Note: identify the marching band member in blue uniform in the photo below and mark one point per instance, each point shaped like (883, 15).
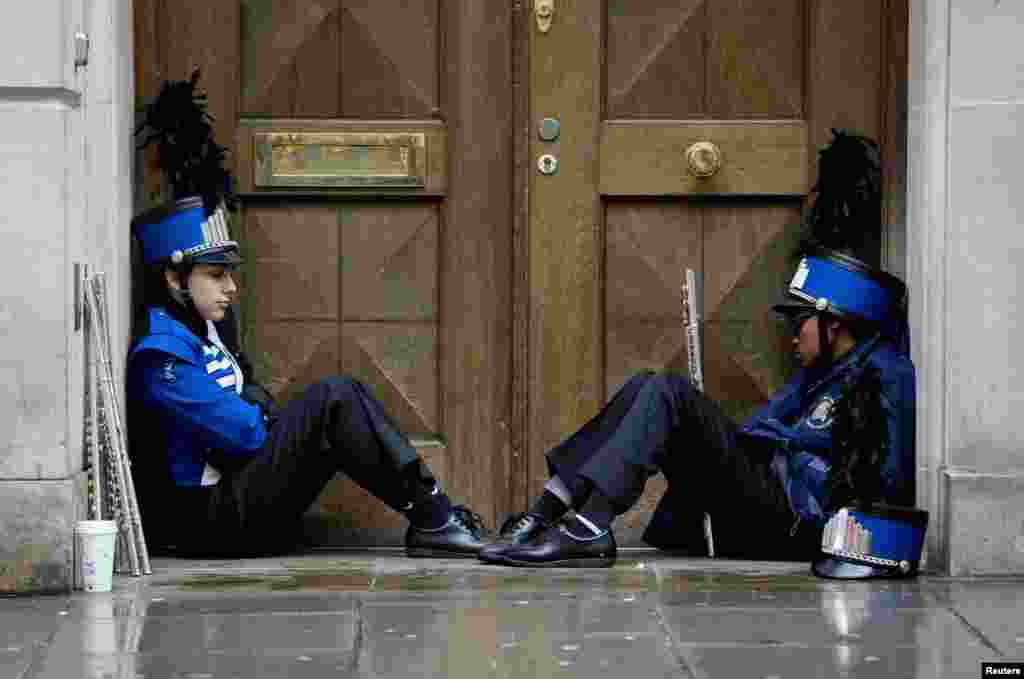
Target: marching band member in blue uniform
(767, 483)
(763, 483)
(224, 471)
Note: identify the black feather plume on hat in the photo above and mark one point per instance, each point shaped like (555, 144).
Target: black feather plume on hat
(848, 199)
(178, 123)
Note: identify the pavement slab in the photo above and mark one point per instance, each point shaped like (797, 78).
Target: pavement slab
(377, 613)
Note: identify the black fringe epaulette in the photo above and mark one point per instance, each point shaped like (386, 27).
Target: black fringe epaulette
(178, 123)
(860, 441)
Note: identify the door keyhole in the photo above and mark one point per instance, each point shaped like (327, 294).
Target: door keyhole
(547, 164)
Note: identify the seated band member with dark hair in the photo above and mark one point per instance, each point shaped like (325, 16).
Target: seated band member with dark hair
(763, 483)
(223, 471)
(771, 484)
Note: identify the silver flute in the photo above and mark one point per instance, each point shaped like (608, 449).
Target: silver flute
(691, 326)
(691, 329)
(91, 424)
(114, 433)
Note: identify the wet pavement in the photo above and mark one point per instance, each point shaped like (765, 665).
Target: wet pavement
(379, 614)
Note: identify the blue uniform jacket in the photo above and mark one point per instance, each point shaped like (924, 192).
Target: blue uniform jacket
(188, 393)
(799, 419)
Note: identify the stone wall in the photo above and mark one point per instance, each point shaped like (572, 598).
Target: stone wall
(65, 197)
(966, 258)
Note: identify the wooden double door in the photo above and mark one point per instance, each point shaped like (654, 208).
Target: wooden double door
(400, 225)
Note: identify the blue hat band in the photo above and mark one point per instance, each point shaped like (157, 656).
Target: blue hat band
(873, 538)
(844, 290)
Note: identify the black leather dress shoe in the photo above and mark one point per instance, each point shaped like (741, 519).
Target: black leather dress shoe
(557, 546)
(516, 530)
(460, 537)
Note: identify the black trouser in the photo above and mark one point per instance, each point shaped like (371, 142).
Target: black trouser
(336, 425)
(659, 422)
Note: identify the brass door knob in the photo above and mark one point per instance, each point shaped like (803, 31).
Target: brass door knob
(703, 159)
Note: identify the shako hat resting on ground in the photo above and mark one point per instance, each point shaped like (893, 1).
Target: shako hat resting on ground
(872, 541)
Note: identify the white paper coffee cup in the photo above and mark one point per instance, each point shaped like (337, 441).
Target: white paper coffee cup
(95, 541)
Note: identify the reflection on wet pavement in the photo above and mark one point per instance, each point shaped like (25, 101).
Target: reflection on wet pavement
(382, 615)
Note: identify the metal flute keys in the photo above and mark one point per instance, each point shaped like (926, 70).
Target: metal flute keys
(691, 326)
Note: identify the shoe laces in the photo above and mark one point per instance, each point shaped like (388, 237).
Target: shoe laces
(513, 523)
(469, 519)
(566, 526)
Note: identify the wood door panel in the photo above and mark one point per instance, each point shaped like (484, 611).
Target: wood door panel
(280, 290)
(748, 251)
(389, 261)
(705, 59)
(290, 356)
(744, 362)
(742, 255)
(388, 72)
(656, 59)
(306, 83)
(289, 57)
(648, 246)
(291, 263)
(846, 84)
(638, 345)
(755, 66)
(340, 58)
(759, 350)
(371, 269)
(398, 361)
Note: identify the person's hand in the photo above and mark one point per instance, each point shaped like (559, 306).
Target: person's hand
(257, 395)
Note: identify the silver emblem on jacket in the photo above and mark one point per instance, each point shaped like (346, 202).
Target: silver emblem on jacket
(821, 414)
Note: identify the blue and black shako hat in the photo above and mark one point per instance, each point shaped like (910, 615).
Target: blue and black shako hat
(844, 286)
(181, 232)
(872, 541)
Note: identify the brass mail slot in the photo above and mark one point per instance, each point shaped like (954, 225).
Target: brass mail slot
(339, 159)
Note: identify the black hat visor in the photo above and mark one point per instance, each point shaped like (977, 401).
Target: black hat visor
(841, 569)
(227, 257)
